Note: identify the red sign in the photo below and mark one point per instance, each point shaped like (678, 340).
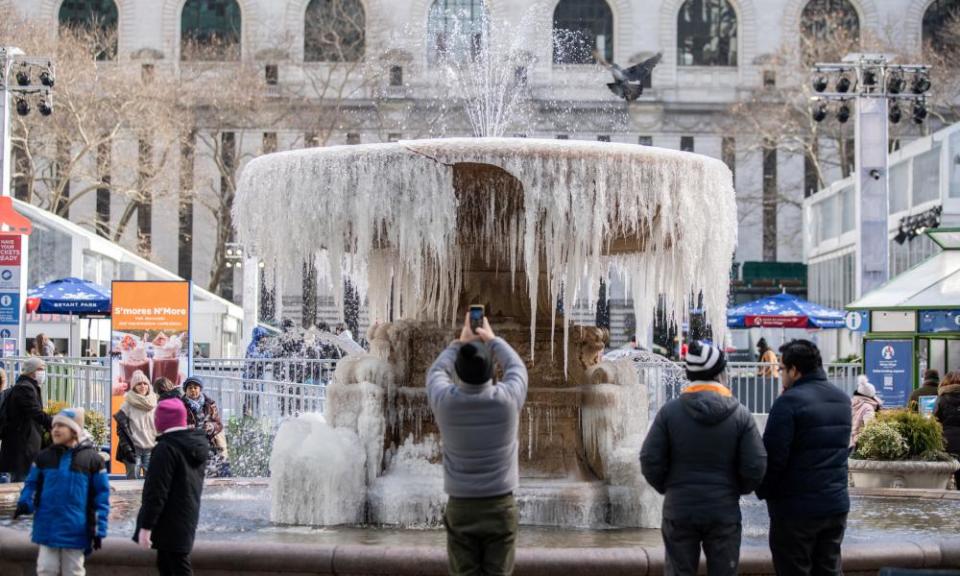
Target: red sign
(10, 250)
(776, 321)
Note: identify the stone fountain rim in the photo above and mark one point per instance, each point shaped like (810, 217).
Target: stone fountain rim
(464, 148)
(218, 557)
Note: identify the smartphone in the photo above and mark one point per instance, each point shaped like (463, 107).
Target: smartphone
(476, 317)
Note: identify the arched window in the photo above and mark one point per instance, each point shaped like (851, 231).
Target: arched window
(707, 34)
(941, 25)
(580, 28)
(97, 18)
(829, 28)
(455, 27)
(334, 31)
(210, 30)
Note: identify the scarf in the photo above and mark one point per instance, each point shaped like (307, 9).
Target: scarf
(196, 406)
(948, 389)
(144, 402)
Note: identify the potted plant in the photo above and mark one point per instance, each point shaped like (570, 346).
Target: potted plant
(902, 449)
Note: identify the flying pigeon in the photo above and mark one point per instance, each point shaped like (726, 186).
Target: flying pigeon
(628, 83)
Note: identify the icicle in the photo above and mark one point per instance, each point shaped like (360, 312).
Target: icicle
(386, 216)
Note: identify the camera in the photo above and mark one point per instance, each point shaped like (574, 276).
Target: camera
(875, 174)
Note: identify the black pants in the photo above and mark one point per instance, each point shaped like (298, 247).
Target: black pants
(684, 540)
(807, 546)
(173, 564)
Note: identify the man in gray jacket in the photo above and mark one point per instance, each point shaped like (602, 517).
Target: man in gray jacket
(478, 421)
(703, 451)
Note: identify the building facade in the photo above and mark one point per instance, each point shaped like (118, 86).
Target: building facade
(715, 53)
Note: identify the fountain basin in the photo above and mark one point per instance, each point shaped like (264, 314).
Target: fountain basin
(239, 510)
(887, 528)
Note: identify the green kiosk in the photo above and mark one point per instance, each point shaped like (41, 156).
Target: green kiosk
(912, 322)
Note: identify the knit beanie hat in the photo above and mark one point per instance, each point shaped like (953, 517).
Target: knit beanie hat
(72, 418)
(474, 364)
(139, 377)
(31, 365)
(704, 362)
(865, 388)
(193, 381)
(931, 377)
(170, 413)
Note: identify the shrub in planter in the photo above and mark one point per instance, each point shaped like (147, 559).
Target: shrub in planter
(900, 449)
(880, 440)
(924, 436)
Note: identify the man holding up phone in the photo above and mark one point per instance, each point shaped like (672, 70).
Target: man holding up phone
(479, 421)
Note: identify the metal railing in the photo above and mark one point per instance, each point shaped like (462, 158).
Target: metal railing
(752, 383)
(273, 389)
(82, 382)
(294, 370)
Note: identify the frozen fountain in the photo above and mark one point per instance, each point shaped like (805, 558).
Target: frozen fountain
(424, 228)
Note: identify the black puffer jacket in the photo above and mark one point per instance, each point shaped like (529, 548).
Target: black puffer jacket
(171, 493)
(948, 413)
(26, 423)
(703, 451)
(808, 443)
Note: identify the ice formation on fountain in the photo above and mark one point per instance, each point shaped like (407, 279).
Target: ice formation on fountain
(386, 216)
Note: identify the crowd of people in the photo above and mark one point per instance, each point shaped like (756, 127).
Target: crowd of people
(703, 452)
(170, 436)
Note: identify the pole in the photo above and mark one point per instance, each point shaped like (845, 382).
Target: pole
(872, 257)
(6, 167)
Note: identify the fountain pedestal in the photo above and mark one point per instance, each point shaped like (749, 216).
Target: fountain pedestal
(579, 443)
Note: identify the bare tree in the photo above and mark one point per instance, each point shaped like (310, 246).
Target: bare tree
(98, 102)
(221, 106)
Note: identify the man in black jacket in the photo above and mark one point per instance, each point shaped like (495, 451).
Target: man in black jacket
(170, 506)
(703, 452)
(25, 421)
(807, 439)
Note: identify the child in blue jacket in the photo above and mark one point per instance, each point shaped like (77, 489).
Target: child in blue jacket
(68, 491)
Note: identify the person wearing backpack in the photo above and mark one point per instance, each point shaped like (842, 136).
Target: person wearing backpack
(23, 421)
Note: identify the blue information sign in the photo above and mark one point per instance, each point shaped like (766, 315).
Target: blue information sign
(9, 308)
(887, 363)
(939, 321)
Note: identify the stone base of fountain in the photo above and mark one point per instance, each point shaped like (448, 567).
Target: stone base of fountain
(579, 438)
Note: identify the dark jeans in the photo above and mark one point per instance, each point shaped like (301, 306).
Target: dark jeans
(481, 535)
(807, 546)
(173, 564)
(683, 541)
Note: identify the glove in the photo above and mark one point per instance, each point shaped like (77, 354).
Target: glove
(144, 540)
(97, 542)
(22, 510)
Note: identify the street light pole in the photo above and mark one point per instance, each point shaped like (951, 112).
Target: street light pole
(6, 166)
(871, 82)
(27, 80)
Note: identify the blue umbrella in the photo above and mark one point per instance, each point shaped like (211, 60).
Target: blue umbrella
(784, 311)
(71, 296)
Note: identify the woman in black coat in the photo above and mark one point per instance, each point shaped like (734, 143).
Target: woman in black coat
(947, 412)
(25, 422)
(170, 505)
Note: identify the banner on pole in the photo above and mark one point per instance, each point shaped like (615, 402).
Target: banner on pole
(150, 324)
(888, 364)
